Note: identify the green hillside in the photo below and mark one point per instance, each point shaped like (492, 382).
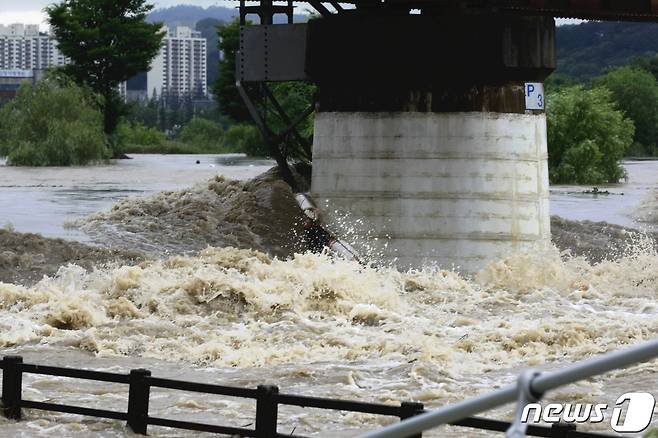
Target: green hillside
(588, 49)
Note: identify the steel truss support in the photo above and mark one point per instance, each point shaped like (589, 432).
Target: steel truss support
(272, 140)
(272, 54)
(291, 125)
(266, 11)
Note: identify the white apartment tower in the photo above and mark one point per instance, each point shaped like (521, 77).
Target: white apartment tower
(23, 47)
(180, 67)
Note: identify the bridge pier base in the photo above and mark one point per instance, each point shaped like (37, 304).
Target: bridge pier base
(423, 137)
(454, 189)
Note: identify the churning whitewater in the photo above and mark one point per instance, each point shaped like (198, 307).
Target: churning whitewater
(434, 335)
(239, 308)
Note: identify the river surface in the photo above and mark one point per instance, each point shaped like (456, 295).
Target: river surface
(41, 200)
(619, 207)
(311, 325)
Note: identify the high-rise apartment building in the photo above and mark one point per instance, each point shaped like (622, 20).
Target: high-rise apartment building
(23, 47)
(179, 69)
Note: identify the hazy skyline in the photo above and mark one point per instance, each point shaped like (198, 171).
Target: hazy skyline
(30, 11)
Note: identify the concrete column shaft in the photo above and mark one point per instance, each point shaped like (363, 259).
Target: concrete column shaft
(422, 133)
(454, 189)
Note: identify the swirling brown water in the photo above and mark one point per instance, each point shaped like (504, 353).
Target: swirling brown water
(429, 335)
(311, 324)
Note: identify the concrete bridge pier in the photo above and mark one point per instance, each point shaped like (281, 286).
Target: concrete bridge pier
(422, 132)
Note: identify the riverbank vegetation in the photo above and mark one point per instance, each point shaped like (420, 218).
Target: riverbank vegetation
(634, 92)
(199, 135)
(56, 123)
(587, 136)
(594, 123)
(108, 42)
(52, 124)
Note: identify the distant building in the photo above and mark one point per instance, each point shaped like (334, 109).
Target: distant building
(11, 80)
(179, 69)
(23, 47)
(25, 53)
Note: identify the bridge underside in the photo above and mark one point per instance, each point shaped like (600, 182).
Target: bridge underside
(426, 136)
(626, 10)
(422, 136)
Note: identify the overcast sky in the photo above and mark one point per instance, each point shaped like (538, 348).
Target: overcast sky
(29, 11)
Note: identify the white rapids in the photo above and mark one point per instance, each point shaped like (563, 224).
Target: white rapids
(314, 325)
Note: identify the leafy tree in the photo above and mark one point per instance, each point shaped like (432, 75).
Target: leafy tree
(559, 80)
(204, 134)
(230, 102)
(52, 124)
(109, 42)
(145, 113)
(247, 139)
(636, 94)
(137, 134)
(647, 63)
(587, 136)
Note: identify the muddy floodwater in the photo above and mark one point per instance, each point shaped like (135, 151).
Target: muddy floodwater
(633, 203)
(307, 323)
(40, 200)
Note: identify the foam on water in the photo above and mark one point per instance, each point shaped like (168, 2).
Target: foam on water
(647, 211)
(240, 308)
(323, 326)
(260, 213)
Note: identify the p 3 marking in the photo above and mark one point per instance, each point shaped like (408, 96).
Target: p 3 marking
(534, 96)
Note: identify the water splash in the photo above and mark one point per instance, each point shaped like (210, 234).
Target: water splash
(259, 213)
(231, 307)
(647, 211)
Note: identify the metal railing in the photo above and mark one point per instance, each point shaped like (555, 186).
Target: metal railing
(530, 387)
(268, 399)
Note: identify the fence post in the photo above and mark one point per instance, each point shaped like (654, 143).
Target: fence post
(12, 387)
(411, 409)
(562, 430)
(267, 410)
(138, 401)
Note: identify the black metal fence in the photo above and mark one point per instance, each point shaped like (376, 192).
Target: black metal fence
(268, 399)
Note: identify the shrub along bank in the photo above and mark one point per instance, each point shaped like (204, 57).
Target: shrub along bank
(57, 123)
(52, 124)
(587, 136)
(199, 136)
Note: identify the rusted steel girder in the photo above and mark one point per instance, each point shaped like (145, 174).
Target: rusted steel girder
(630, 10)
(615, 10)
